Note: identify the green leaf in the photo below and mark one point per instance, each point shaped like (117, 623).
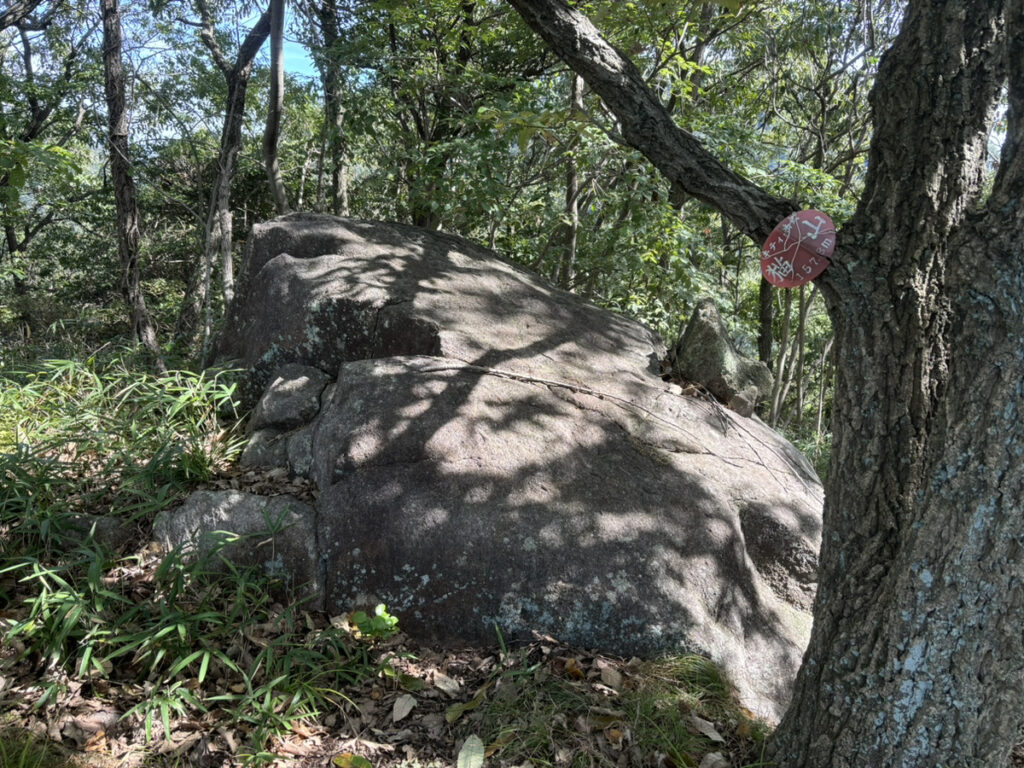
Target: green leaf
(348, 760)
(457, 710)
(204, 666)
(523, 137)
(16, 177)
(410, 683)
(472, 753)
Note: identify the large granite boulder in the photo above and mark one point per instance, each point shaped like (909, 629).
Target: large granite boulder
(495, 451)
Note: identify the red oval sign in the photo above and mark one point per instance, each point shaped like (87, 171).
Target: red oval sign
(798, 249)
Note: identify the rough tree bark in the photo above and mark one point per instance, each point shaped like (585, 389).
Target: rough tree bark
(916, 655)
(275, 107)
(124, 186)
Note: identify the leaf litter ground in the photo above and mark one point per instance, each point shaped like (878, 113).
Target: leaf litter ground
(540, 703)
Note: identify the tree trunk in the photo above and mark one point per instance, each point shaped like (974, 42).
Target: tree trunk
(825, 367)
(334, 111)
(275, 107)
(916, 655)
(766, 318)
(142, 329)
(219, 224)
(217, 233)
(783, 359)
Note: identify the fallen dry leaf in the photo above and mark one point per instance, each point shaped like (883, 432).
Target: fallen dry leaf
(290, 748)
(612, 678)
(706, 728)
(97, 743)
(402, 707)
(714, 760)
(450, 686)
(301, 729)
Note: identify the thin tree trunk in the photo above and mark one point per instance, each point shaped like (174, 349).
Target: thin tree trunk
(766, 317)
(300, 200)
(275, 108)
(142, 329)
(780, 369)
(801, 335)
(321, 187)
(334, 111)
(825, 366)
(219, 223)
(217, 232)
(572, 193)
(795, 355)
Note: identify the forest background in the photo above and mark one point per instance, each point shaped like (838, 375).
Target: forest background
(447, 114)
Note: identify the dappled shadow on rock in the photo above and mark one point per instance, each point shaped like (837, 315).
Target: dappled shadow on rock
(496, 453)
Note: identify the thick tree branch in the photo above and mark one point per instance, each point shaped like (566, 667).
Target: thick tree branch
(253, 42)
(209, 39)
(17, 12)
(645, 123)
(27, 56)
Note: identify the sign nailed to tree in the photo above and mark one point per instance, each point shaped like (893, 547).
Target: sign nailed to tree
(797, 251)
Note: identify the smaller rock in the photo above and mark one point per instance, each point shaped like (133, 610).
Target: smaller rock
(277, 533)
(300, 451)
(291, 399)
(745, 402)
(706, 355)
(109, 532)
(266, 449)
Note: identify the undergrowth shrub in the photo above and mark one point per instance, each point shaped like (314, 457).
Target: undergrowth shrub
(20, 749)
(189, 634)
(105, 434)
